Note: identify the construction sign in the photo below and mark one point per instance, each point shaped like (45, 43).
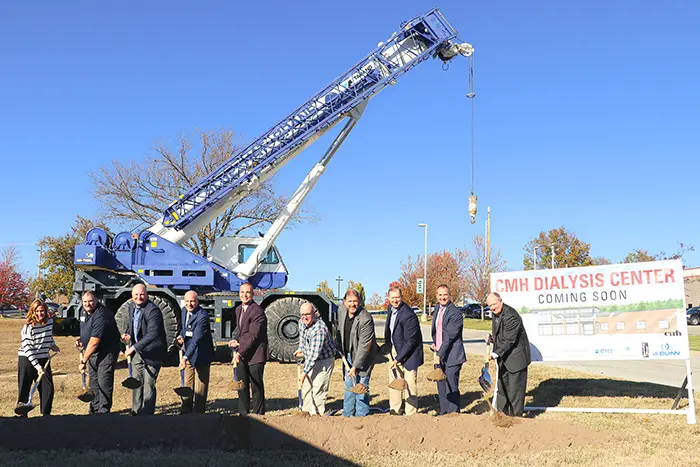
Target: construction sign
(631, 311)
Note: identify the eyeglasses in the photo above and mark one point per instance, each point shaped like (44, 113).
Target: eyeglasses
(306, 314)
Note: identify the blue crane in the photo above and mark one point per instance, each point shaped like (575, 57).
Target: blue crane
(110, 266)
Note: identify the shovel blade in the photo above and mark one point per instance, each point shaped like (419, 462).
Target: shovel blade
(131, 383)
(436, 375)
(85, 395)
(399, 384)
(485, 380)
(184, 391)
(23, 409)
(359, 388)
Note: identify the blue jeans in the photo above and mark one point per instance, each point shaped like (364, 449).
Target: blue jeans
(355, 405)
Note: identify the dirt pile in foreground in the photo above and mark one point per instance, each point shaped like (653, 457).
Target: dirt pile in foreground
(476, 434)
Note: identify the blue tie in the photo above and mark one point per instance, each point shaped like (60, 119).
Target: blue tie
(137, 322)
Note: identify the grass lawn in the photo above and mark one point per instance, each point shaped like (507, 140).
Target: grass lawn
(625, 439)
(694, 343)
(477, 324)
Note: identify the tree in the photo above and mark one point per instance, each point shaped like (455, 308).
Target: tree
(134, 195)
(360, 289)
(569, 251)
(376, 301)
(479, 269)
(600, 261)
(444, 267)
(13, 285)
(326, 289)
(639, 256)
(57, 258)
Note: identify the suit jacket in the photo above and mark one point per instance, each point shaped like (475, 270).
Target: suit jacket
(451, 351)
(363, 342)
(510, 340)
(251, 329)
(407, 337)
(199, 348)
(150, 343)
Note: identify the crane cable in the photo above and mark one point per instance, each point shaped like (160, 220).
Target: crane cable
(470, 95)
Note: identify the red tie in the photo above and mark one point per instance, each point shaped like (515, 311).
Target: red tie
(438, 327)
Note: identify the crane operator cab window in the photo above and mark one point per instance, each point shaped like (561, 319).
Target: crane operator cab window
(244, 252)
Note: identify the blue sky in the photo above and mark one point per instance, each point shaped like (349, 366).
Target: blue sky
(586, 117)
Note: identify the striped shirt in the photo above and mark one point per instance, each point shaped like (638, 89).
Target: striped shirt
(37, 340)
(315, 344)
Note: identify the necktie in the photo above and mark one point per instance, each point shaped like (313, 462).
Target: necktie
(137, 322)
(438, 327)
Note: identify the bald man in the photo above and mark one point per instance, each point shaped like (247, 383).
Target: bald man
(511, 350)
(145, 340)
(197, 347)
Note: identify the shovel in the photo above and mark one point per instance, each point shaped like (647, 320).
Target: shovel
(485, 380)
(299, 384)
(131, 382)
(85, 394)
(358, 388)
(183, 391)
(436, 374)
(22, 408)
(399, 384)
(236, 385)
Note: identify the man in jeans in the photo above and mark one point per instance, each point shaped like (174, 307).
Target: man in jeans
(145, 338)
(357, 341)
(316, 346)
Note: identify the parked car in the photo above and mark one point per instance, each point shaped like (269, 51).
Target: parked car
(692, 315)
(473, 310)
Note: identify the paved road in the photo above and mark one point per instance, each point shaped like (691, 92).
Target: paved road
(694, 330)
(668, 372)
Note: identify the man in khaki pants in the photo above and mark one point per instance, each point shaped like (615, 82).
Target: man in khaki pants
(195, 339)
(316, 346)
(403, 338)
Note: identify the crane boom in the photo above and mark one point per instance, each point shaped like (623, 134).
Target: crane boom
(417, 40)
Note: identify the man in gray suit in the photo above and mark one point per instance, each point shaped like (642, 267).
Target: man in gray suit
(511, 350)
(357, 342)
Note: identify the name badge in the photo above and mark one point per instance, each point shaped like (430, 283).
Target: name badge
(82, 319)
(188, 334)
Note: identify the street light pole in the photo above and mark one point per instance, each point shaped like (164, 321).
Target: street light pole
(340, 281)
(424, 316)
(534, 257)
(552, 256)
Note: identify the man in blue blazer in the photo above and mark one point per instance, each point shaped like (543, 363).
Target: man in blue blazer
(197, 347)
(145, 338)
(403, 338)
(447, 342)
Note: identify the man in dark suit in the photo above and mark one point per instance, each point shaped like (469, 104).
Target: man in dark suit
(198, 352)
(403, 338)
(145, 337)
(447, 342)
(251, 343)
(511, 350)
(357, 341)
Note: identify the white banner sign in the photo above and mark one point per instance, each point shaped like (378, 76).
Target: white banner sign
(631, 311)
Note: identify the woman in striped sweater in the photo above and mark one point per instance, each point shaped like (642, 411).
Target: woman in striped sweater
(37, 340)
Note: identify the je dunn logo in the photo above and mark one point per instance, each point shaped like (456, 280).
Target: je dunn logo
(666, 351)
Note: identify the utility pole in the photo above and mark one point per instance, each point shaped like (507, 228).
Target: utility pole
(424, 316)
(552, 256)
(488, 242)
(38, 264)
(340, 281)
(534, 257)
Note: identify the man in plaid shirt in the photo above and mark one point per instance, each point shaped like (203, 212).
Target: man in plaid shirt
(316, 346)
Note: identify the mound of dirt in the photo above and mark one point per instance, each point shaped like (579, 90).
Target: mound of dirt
(463, 433)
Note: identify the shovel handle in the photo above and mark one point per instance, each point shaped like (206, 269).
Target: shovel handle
(82, 374)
